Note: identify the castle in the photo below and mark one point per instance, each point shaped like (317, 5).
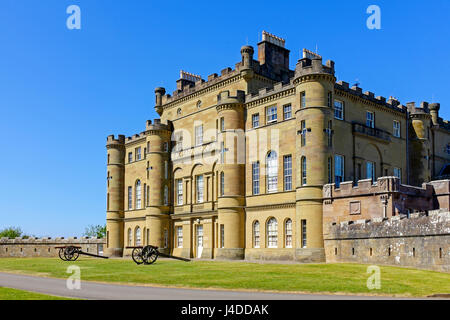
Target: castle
(250, 164)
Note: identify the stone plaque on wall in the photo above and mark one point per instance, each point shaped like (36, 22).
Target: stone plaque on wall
(355, 207)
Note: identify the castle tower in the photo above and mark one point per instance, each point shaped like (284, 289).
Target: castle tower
(231, 166)
(314, 88)
(420, 145)
(115, 195)
(158, 183)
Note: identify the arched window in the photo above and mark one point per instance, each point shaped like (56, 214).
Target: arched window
(137, 236)
(272, 171)
(288, 233)
(138, 194)
(303, 171)
(256, 235)
(130, 237)
(272, 233)
(166, 195)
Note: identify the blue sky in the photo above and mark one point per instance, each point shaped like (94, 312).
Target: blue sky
(63, 91)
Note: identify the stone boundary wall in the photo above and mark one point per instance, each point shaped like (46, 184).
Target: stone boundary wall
(420, 241)
(45, 247)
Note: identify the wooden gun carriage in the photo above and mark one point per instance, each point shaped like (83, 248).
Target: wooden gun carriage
(149, 254)
(71, 253)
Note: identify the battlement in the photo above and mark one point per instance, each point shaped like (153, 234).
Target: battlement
(199, 85)
(415, 109)
(57, 240)
(264, 92)
(391, 103)
(441, 216)
(383, 185)
(112, 140)
(311, 63)
(224, 97)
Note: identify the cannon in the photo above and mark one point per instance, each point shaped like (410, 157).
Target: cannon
(71, 253)
(149, 254)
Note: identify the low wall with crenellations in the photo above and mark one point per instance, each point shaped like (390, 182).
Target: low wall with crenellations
(420, 240)
(45, 247)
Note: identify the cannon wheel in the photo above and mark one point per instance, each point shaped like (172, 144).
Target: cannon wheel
(137, 256)
(71, 254)
(149, 255)
(61, 254)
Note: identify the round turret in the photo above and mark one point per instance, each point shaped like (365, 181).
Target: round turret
(115, 195)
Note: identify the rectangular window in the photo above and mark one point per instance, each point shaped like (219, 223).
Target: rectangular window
(166, 170)
(199, 184)
(178, 142)
(339, 110)
(330, 170)
(255, 177)
(287, 162)
(180, 237)
(138, 154)
(338, 170)
(180, 192)
(398, 173)
(303, 99)
(303, 132)
(199, 135)
(303, 233)
(303, 163)
(222, 152)
(396, 129)
(255, 120)
(148, 147)
(329, 133)
(130, 157)
(166, 147)
(222, 236)
(287, 111)
(222, 124)
(370, 170)
(271, 114)
(370, 120)
(330, 99)
(130, 198)
(222, 184)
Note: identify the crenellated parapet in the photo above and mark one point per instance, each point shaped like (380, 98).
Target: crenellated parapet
(226, 101)
(310, 68)
(342, 88)
(368, 187)
(112, 142)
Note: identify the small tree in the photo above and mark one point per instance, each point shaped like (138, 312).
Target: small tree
(97, 231)
(11, 232)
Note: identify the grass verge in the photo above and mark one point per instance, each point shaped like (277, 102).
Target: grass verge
(311, 278)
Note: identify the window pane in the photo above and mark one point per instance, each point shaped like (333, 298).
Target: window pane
(272, 171)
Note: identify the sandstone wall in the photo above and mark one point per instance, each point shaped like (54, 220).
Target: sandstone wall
(420, 241)
(45, 247)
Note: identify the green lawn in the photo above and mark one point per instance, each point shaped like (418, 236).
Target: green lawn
(14, 294)
(331, 278)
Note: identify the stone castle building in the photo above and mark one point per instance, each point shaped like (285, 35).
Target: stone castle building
(247, 164)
